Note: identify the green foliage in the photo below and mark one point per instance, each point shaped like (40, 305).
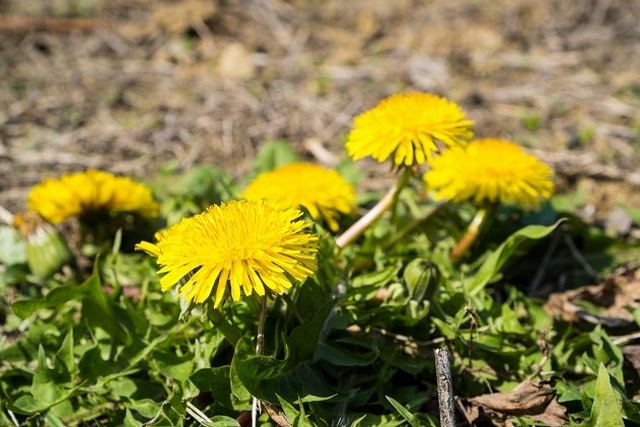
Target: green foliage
(496, 259)
(531, 122)
(189, 193)
(607, 405)
(12, 248)
(274, 154)
(351, 346)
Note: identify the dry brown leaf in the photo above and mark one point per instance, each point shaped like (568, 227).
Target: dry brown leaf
(536, 401)
(632, 354)
(277, 415)
(618, 293)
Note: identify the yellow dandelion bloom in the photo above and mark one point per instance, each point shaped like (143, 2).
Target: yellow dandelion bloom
(490, 170)
(408, 128)
(323, 192)
(84, 193)
(244, 245)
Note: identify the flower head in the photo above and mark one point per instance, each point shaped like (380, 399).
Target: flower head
(408, 127)
(82, 193)
(45, 249)
(490, 170)
(244, 245)
(323, 192)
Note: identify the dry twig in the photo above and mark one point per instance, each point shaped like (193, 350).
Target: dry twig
(445, 387)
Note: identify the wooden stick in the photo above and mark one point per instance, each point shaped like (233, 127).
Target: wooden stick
(445, 387)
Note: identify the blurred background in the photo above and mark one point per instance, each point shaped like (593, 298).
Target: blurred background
(137, 85)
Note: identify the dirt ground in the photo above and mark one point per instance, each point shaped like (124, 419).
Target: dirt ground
(130, 85)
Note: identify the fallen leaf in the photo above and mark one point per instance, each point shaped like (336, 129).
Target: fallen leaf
(536, 401)
(632, 355)
(277, 415)
(615, 296)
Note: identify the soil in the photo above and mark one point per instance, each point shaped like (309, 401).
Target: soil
(128, 86)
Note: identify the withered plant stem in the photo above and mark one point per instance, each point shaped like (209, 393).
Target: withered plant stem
(388, 200)
(470, 236)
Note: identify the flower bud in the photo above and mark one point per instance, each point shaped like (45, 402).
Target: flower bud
(421, 277)
(45, 249)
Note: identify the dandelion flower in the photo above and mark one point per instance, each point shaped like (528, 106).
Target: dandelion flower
(245, 246)
(408, 128)
(490, 171)
(86, 193)
(323, 192)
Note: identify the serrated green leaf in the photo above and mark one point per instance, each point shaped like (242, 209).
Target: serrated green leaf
(341, 356)
(25, 307)
(369, 420)
(301, 344)
(65, 352)
(296, 417)
(172, 365)
(509, 321)
(146, 407)
(222, 421)
(607, 405)
(129, 420)
(92, 366)
(98, 309)
(289, 410)
(27, 404)
(55, 297)
(49, 387)
(498, 258)
(91, 289)
(123, 387)
(378, 277)
(567, 392)
(217, 381)
(47, 383)
(54, 420)
(404, 413)
(238, 389)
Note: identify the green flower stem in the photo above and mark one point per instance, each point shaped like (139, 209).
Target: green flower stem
(470, 236)
(412, 226)
(231, 332)
(82, 417)
(261, 320)
(292, 305)
(388, 200)
(259, 351)
(402, 182)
